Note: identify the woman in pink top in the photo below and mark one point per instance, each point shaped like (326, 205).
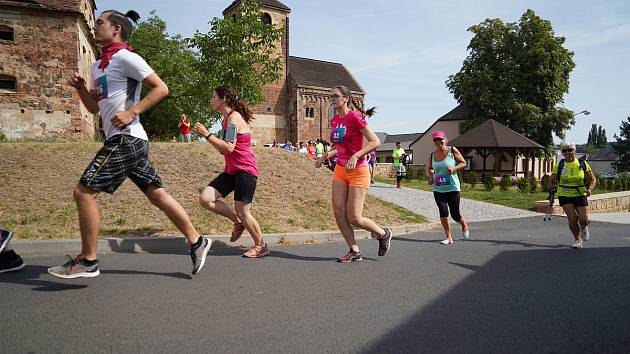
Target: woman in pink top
(351, 177)
(241, 170)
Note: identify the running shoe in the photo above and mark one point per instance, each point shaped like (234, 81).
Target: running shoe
(10, 262)
(237, 231)
(385, 242)
(76, 267)
(257, 251)
(577, 244)
(198, 253)
(351, 256)
(466, 233)
(5, 237)
(447, 241)
(584, 234)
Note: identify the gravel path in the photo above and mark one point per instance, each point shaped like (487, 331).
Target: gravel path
(421, 202)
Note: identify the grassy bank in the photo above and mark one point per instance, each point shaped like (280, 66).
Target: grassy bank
(36, 182)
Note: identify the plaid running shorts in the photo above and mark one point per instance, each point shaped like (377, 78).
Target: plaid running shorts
(120, 157)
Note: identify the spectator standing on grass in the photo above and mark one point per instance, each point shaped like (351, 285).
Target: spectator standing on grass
(184, 128)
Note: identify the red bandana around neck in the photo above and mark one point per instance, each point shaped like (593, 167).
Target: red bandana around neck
(108, 51)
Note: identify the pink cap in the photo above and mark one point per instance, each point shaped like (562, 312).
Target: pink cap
(438, 135)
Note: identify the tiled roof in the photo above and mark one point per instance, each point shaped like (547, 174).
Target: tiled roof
(603, 155)
(274, 4)
(388, 141)
(458, 113)
(318, 73)
(492, 134)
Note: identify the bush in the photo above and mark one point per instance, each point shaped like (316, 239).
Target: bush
(544, 181)
(3, 138)
(522, 185)
(473, 179)
(506, 182)
(603, 184)
(422, 173)
(488, 182)
(617, 185)
(625, 184)
(533, 184)
(410, 173)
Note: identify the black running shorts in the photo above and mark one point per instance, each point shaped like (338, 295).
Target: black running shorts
(243, 184)
(576, 201)
(120, 157)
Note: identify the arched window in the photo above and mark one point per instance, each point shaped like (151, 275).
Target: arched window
(265, 18)
(6, 33)
(8, 83)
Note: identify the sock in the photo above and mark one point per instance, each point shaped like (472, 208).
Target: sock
(198, 243)
(88, 262)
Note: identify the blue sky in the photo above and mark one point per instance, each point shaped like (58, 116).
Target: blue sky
(403, 51)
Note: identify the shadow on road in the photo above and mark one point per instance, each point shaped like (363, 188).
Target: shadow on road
(178, 275)
(557, 300)
(30, 275)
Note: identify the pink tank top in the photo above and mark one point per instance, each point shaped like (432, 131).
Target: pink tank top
(242, 159)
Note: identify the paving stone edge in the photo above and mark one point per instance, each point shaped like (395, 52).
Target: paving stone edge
(33, 248)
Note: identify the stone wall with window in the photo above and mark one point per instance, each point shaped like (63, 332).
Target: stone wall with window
(47, 47)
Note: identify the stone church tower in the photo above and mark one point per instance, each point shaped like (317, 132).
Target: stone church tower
(42, 42)
(271, 115)
(297, 106)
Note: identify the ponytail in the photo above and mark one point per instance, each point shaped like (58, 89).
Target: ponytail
(124, 21)
(347, 93)
(227, 93)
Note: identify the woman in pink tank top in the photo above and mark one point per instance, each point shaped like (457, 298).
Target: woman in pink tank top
(351, 177)
(241, 169)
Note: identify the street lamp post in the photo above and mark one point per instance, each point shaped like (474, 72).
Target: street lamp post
(564, 132)
(585, 112)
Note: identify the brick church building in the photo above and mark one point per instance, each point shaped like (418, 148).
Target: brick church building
(42, 42)
(297, 106)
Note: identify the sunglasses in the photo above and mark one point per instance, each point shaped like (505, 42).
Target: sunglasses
(438, 140)
(336, 95)
(567, 150)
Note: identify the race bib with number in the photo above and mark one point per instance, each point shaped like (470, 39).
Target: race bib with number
(442, 180)
(337, 134)
(100, 85)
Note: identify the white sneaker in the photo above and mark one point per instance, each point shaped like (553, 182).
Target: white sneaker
(447, 241)
(584, 234)
(577, 244)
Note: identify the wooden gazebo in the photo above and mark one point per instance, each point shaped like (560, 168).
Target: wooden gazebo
(494, 138)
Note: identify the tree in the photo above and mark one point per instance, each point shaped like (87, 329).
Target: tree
(239, 52)
(175, 63)
(602, 140)
(597, 138)
(622, 147)
(517, 74)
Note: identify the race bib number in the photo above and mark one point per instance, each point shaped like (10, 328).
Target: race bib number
(337, 134)
(101, 88)
(442, 180)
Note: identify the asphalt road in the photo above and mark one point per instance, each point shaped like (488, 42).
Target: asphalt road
(514, 287)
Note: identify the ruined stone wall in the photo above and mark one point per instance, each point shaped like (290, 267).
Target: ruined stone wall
(46, 50)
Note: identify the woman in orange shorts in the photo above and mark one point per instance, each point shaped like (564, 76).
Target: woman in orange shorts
(351, 177)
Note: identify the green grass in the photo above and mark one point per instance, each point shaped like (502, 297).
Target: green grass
(511, 198)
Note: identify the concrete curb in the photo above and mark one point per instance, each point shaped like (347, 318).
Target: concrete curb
(30, 248)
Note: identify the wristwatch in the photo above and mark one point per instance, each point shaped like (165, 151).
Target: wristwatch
(208, 136)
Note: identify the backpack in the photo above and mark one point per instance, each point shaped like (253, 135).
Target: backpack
(582, 167)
